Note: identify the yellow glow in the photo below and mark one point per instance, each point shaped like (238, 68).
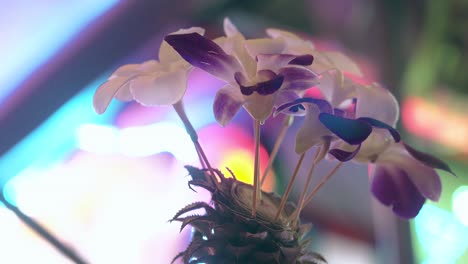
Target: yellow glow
(240, 162)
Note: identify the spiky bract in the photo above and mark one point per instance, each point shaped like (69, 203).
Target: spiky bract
(227, 233)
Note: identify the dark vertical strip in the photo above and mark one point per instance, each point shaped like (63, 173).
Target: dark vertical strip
(42, 232)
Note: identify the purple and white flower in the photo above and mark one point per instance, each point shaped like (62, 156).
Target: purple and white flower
(255, 71)
(150, 83)
(323, 60)
(353, 122)
(404, 178)
(377, 107)
(326, 120)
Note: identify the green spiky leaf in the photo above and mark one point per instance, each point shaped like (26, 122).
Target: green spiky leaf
(194, 206)
(192, 218)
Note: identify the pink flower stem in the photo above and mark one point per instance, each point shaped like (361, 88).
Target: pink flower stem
(290, 185)
(320, 185)
(274, 152)
(306, 187)
(257, 196)
(179, 108)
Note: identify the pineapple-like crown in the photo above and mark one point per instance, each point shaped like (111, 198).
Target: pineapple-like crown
(227, 232)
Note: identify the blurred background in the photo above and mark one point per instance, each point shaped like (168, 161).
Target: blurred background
(107, 185)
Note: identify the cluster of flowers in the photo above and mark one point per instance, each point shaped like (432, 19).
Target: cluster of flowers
(270, 76)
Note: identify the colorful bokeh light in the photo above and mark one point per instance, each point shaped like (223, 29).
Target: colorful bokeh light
(104, 204)
(237, 153)
(436, 122)
(440, 234)
(34, 31)
(460, 204)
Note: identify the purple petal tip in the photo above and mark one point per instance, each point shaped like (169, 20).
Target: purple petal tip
(344, 156)
(203, 53)
(303, 60)
(262, 88)
(428, 159)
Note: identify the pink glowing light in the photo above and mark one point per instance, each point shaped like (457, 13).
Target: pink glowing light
(436, 122)
(237, 152)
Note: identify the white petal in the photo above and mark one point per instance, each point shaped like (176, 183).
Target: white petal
(124, 94)
(273, 61)
(295, 44)
(106, 92)
(342, 62)
(334, 88)
(312, 131)
(321, 64)
(278, 33)
(377, 102)
(149, 66)
(160, 89)
(424, 178)
(264, 46)
(236, 46)
(167, 54)
(284, 97)
(132, 70)
(258, 106)
(127, 70)
(229, 28)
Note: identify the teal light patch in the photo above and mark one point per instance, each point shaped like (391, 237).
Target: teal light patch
(442, 238)
(55, 138)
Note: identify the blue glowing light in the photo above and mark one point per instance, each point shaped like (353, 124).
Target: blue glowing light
(460, 204)
(440, 234)
(33, 31)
